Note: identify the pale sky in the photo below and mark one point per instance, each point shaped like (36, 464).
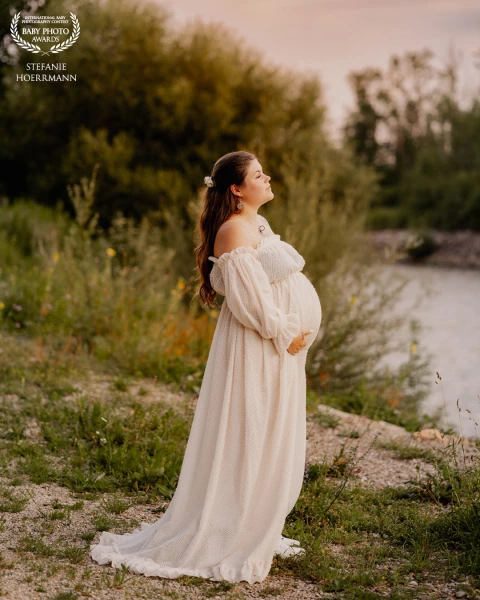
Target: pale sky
(333, 37)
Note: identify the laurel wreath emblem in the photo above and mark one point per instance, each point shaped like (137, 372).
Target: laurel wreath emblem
(20, 41)
(71, 40)
(36, 49)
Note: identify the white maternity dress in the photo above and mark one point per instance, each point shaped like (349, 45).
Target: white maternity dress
(244, 463)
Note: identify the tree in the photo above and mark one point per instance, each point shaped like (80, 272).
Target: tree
(408, 125)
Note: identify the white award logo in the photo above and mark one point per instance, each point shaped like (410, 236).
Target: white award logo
(45, 35)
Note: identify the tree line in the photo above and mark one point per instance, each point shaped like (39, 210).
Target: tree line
(156, 105)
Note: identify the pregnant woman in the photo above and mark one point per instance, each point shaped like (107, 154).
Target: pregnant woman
(243, 467)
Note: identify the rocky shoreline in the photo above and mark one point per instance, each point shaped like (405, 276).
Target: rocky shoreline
(459, 249)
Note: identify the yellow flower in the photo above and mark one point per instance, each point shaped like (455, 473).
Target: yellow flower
(413, 348)
(2, 305)
(56, 256)
(353, 299)
(181, 284)
(111, 252)
(213, 313)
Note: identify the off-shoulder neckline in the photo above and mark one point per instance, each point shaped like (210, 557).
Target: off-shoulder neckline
(243, 249)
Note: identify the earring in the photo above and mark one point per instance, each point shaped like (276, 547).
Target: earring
(240, 205)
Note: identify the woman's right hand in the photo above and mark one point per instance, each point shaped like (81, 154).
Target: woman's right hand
(298, 342)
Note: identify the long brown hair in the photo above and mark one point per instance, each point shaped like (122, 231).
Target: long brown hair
(219, 203)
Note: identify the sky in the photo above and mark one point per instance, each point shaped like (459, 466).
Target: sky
(333, 37)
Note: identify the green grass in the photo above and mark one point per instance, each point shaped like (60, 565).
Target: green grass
(326, 419)
(382, 536)
(89, 445)
(11, 502)
(118, 452)
(409, 451)
(370, 403)
(116, 297)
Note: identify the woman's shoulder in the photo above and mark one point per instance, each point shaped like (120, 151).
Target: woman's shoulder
(233, 233)
(229, 237)
(236, 222)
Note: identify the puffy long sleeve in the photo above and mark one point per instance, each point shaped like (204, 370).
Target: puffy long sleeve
(249, 296)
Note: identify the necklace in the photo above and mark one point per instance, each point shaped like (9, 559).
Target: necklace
(259, 227)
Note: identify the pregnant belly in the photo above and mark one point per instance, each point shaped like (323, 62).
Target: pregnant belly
(297, 294)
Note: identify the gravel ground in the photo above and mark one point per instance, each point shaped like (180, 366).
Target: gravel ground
(378, 467)
(27, 575)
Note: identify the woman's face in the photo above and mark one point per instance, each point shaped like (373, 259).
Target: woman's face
(256, 188)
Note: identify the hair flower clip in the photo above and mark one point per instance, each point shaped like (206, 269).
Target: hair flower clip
(208, 181)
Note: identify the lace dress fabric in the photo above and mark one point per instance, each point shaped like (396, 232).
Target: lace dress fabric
(243, 467)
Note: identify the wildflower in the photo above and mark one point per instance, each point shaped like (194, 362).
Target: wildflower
(17, 307)
(181, 284)
(353, 299)
(97, 432)
(413, 348)
(56, 256)
(17, 325)
(2, 305)
(103, 440)
(111, 252)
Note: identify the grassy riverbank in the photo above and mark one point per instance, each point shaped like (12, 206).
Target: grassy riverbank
(83, 451)
(102, 353)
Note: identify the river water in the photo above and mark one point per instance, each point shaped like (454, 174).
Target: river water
(449, 314)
